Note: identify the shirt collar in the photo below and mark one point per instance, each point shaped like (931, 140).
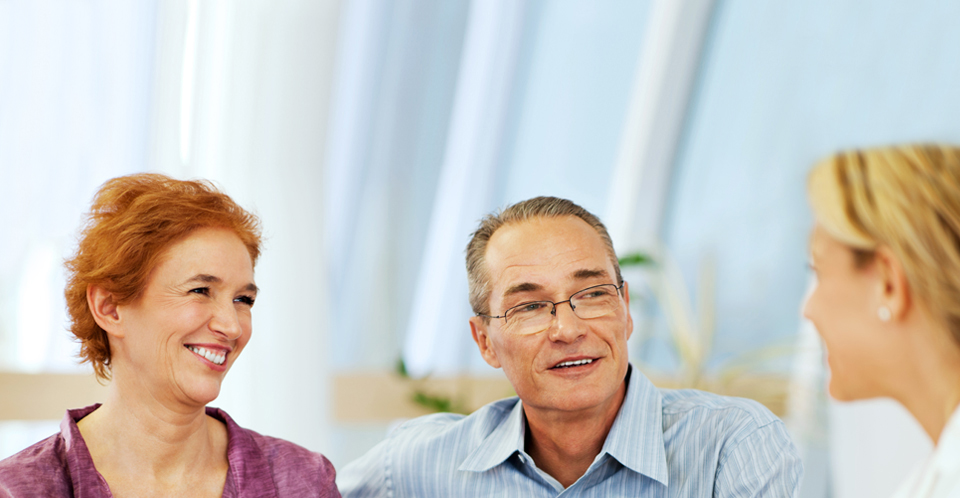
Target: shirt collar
(505, 440)
(249, 470)
(86, 481)
(635, 439)
(947, 452)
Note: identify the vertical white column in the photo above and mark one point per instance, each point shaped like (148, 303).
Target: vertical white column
(666, 70)
(438, 332)
(258, 121)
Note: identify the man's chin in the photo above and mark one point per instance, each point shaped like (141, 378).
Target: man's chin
(571, 399)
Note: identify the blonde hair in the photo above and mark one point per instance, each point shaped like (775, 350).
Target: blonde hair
(906, 198)
(539, 207)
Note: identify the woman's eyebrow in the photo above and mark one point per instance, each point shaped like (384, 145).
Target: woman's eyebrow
(204, 278)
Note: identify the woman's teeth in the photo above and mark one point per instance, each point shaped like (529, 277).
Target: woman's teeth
(217, 358)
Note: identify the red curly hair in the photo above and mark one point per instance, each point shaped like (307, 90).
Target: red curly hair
(132, 222)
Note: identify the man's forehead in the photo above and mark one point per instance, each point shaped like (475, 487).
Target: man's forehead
(543, 251)
(526, 237)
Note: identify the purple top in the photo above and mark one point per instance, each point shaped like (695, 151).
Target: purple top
(260, 466)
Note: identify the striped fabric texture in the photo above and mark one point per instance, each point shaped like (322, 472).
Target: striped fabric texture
(664, 443)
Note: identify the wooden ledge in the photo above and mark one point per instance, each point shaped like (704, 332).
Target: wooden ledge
(380, 397)
(46, 396)
(384, 396)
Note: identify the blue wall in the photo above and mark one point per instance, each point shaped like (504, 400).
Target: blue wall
(783, 84)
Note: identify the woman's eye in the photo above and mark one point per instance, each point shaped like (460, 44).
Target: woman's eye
(200, 290)
(245, 300)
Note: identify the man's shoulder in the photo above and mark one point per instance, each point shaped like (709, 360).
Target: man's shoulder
(422, 456)
(738, 441)
(441, 428)
(728, 416)
(680, 401)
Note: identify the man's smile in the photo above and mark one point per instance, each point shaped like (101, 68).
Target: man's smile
(573, 362)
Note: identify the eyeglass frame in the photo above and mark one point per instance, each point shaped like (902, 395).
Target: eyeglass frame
(554, 310)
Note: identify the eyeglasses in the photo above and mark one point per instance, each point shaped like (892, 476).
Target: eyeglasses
(536, 316)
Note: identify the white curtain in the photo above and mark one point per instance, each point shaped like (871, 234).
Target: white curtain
(437, 340)
(75, 83)
(242, 96)
(75, 80)
(394, 90)
(233, 91)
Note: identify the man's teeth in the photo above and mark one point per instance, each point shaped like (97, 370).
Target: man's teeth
(217, 358)
(573, 363)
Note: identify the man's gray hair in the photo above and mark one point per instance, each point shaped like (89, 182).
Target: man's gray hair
(478, 278)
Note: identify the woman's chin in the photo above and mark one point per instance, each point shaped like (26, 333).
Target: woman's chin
(202, 393)
(841, 392)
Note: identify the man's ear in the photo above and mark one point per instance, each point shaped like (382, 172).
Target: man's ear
(478, 327)
(894, 289)
(104, 309)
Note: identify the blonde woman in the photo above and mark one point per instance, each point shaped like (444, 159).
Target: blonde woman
(886, 252)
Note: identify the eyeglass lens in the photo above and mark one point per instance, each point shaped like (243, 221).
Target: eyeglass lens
(592, 302)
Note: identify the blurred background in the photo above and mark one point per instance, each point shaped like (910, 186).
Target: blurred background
(371, 136)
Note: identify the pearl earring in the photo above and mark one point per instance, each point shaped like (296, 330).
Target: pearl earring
(884, 314)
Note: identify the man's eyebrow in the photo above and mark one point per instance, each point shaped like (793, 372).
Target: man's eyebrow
(584, 274)
(588, 274)
(524, 287)
(213, 279)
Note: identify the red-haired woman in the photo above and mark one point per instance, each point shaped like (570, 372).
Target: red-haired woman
(160, 294)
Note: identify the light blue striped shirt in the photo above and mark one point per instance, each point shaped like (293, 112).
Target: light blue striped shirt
(663, 443)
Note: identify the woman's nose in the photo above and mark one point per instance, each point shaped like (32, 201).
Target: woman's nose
(226, 321)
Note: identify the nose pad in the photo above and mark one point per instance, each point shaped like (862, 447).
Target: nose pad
(567, 328)
(572, 307)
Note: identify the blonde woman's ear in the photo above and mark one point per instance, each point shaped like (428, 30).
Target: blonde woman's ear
(895, 292)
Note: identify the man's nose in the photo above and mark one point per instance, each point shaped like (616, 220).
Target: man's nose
(567, 326)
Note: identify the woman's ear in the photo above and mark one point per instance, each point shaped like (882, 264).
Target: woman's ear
(894, 290)
(103, 307)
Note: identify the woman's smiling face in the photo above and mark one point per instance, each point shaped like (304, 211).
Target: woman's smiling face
(843, 308)
(193, 319)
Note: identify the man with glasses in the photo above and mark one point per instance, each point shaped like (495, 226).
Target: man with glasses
(552, 311)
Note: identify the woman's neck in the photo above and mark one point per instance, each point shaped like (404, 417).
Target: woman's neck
(932, 404)
(930, 387)
(140, 443)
